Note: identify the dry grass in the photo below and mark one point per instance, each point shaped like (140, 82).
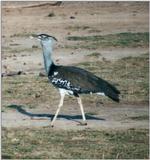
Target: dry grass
(130, 75)
(28, 90)
(45, 143)
(126, 39)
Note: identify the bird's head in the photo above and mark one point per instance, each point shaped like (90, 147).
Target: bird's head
(45, 39)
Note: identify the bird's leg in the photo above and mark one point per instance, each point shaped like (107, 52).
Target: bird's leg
(82, 110)
(58, 109)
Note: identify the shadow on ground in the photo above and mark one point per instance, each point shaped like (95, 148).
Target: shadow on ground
(21, 110)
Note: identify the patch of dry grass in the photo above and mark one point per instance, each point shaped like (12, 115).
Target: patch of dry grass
(46, 143)
(77, 27)
(28, 90)
(129, 75)
(14, 52)
(126, 39)
(140, 117)
(24, 34)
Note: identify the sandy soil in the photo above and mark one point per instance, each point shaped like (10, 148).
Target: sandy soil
(22, 18)
(108, 118)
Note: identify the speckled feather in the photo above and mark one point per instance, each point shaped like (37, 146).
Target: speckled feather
(80, 81)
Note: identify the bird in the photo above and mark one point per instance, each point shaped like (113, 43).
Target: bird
(72, 80)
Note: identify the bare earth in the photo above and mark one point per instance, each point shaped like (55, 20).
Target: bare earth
(108, 118)
(103, 19)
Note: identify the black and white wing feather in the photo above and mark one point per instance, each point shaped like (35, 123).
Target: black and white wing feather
(81, 81)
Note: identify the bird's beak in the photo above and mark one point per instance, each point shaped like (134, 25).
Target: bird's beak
(34, 36)
(55, 39)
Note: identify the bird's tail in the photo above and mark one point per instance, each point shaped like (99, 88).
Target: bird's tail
(112, 92)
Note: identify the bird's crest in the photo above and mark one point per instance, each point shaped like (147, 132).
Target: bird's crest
(44, 36)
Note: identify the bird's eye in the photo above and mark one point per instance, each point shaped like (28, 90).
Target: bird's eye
(44, 37)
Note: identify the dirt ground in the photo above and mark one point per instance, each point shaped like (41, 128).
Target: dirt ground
(20, 19)
(108, 117)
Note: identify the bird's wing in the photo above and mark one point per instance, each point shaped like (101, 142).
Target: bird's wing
(74, 77)
(83, 80)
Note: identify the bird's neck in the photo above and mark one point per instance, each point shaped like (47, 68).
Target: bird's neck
(47, 52)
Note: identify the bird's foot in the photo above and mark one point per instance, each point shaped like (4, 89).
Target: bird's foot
(52, 126)
(83, 124)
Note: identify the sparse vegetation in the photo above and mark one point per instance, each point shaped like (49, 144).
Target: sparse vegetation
(77, 27)
(25, 96)
(129, 74)
(94, 54)
(24, 89)
(45, 143)
(94, 31)
(20, 50)
(11, 51)
(35, 46)
(91, 113)
(52, 14)
(22, 34)
(126, 39)
(140, 117)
